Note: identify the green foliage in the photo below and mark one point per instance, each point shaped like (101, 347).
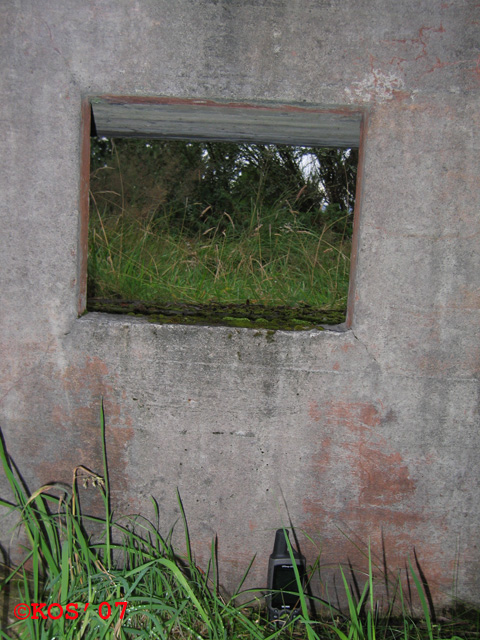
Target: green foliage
(193, 184)
(199, 222)
(337, 172)
(126, 560)
(73, 558)
(272, 262)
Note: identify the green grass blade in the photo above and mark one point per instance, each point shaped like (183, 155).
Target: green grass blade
(185, 528)
(371, 613)
(303, 602)
(340, 633)
(356, 630)
(14, 484)
(244, 577)
(423, 601)
(186, 586)
(106, 493)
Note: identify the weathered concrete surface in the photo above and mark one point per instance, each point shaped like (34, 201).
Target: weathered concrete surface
(372, 433)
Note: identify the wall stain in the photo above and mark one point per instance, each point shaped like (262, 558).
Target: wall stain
(359, 489)
(85, 386)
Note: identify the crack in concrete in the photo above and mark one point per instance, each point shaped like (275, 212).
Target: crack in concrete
(367, 350)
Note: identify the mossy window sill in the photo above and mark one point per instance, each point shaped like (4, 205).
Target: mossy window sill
(250, 316)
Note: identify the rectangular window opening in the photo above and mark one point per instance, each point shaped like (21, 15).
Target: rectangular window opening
(221, 214)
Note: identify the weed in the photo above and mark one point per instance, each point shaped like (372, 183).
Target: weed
(146, 246)
(74, 558)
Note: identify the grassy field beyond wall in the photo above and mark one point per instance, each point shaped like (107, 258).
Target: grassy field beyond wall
(156, 236)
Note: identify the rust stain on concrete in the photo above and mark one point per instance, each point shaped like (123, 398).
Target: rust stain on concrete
(468, 298)
(79, 420)
(356, 415)
(384, 477)
(360, 489)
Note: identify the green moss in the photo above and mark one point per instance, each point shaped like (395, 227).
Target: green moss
(249, 316)
(229, 321)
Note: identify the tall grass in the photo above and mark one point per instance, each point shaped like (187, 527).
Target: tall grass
(74, 558)
(125, 560)
(275, 258)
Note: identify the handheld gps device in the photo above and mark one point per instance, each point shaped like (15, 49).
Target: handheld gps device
(283, 599)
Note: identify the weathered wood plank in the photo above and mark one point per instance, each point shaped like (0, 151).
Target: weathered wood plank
(170, 119)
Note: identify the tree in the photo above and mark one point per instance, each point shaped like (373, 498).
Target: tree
(193, 184)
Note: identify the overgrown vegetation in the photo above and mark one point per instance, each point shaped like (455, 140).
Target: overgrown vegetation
(199, 222)
(167, 595)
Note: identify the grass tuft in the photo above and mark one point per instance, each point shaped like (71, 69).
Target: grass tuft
(276, 259)
(74, 558)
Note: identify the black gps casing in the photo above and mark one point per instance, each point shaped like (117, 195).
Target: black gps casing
(283, 599)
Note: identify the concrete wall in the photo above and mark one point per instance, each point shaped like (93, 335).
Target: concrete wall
(371, 433)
